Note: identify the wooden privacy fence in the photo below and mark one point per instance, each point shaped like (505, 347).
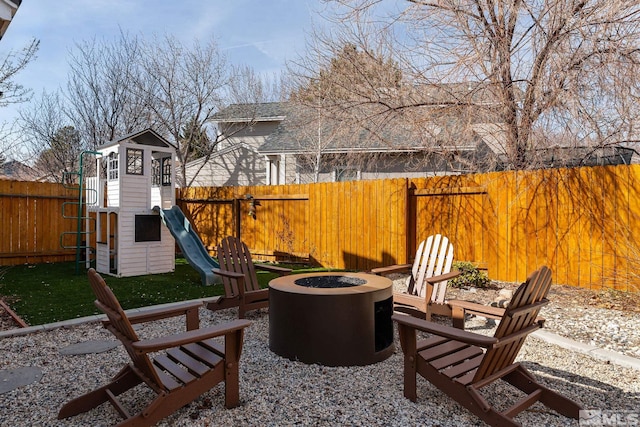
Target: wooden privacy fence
(355, 225)
(582, 222)
(31, 221)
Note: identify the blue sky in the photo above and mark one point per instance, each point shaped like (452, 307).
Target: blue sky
(260, 33)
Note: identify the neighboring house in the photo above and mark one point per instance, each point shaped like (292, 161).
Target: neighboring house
(395, 152)
(236, 161)
(17, 171)
(8, 9)
(259, 147)
(446, 135)
(278, 143)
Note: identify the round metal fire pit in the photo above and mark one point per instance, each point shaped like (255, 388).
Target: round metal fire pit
(333, 319)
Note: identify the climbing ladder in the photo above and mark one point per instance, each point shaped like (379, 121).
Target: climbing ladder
(81, 233)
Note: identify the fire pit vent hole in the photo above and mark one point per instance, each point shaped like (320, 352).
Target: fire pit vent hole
(383, 324)
(329, 282)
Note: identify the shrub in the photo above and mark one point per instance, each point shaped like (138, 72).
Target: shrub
(471, 276)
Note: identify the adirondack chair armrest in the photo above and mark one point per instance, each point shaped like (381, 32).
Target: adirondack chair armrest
(163, 313)
(163, 343)
(229, 274)
(232, 275)
(391, 269)
(444, 331)
(282, 271)
(443, 277)
(477, 309)
(462, 308)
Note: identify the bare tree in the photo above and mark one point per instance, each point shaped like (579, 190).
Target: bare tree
(60, 161)
(10, 66)
(545, 68)
(332, 116)
(243, 88)
(124, 85)
(101, 99)
(52, 142)
(311, 131)
(185, 87)
(12, 92)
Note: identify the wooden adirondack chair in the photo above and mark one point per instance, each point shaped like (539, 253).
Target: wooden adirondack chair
(241, 287)
(457, 363)
(191, 364)
(431, 268)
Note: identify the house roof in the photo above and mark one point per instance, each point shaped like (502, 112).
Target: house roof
(8, 9)
(285, 141)
(13, 169)
(260, 112)
(144, 137)
(396, 135)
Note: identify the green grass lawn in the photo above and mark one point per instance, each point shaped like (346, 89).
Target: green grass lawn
(45, 293)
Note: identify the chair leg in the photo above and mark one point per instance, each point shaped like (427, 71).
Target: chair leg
(408, 342)
(125, 380)
(410, 374)
(233, 349)
(457, 315)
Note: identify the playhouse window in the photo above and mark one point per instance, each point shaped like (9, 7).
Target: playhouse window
(134, 161)
(112, 167)
(166, 171)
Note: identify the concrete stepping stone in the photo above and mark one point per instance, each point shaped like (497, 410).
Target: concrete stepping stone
(11, 379)
(88, 347)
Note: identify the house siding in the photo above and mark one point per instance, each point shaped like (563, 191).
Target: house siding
(384, 166)
(240, 166)
(237, 161)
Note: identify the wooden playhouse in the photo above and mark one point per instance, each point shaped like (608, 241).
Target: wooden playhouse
(135, 173)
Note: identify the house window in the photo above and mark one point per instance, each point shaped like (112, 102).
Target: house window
(166, 171)
(112, 167)
(134, 161)
(155, 173)
(343, 174)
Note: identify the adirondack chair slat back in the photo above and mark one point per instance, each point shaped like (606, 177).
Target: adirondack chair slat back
(518, 321)
(119, 324)
(433, 257)
(233, 255)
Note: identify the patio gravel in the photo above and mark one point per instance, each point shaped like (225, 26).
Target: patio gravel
(278, 392)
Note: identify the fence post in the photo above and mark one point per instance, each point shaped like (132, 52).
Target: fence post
(236, 216)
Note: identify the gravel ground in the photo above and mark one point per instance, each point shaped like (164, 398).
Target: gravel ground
(582, 315)
(278, 392)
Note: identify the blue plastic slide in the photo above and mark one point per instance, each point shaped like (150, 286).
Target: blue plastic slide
(190, 243)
